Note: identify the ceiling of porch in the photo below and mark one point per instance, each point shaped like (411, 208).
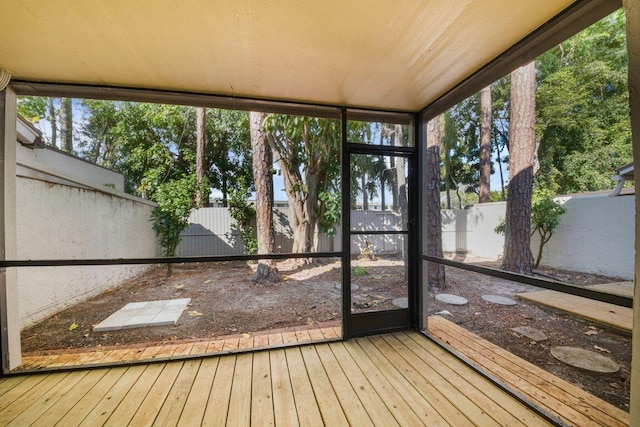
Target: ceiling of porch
(395, 55)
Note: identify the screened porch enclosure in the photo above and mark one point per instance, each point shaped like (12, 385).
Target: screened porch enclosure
(393, 64)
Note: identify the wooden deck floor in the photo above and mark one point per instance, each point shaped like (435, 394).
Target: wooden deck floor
(168, 351)
(569, 403)
(394, 379)
(598, 311)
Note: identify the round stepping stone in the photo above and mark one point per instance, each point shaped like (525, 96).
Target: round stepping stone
(451, 299)
(585, 359)
(497, 299)
(401, 302)
(354, 287)
(532, 333)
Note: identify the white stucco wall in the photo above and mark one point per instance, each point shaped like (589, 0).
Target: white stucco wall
(57, 222)
(595, 235)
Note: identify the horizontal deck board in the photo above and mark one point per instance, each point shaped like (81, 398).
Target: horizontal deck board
(396, 379)
(597, 311)
(564, 400)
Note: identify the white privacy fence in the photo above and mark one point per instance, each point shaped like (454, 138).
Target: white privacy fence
(212, 231)
(595, 235)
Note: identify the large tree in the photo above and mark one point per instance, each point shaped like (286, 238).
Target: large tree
(583, 109)
(485, 146)
(202, 196)
(66, 124)
(262, 166)
(517, 248)
(307, 150)
(435, 271)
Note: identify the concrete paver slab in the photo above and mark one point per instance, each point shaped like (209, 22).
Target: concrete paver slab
(144, 313)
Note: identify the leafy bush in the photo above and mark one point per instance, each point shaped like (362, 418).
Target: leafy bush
(545, 218)
(243, 213)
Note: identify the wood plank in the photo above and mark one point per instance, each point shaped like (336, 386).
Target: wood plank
(561, 398)
(330, 409)
(166, 350)
(391, 396)
(25, 394)
(464, 395)
(230, 344)
(245, 342)
(110, 401)
(261, 341)
(450, 367)
(171, 409)
(316, 334)
(261, 393)
(83, 403)
(69, 400)
(617, 288)
(199, 348)
(306, 405)
(149, 408)
(131, 400)
(445, 399)
(218, 404)
(196, 403)
(329, 333)
(215, 346)
(302, 336)
(284, 405)
(8, 383)
(150, 352)
(349, 400)
(597, 311)
(573, 395)
(29, 408)
(183, 349)
(373, 404)
(422, 407)
(240, 399)
(289, 337)
(275, 339)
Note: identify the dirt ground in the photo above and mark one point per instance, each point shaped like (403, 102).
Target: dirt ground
(224, 301)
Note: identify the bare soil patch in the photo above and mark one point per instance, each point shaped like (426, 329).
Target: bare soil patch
(224, 301)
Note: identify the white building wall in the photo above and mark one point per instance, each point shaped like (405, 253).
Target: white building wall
(595, 235)
(62, 222)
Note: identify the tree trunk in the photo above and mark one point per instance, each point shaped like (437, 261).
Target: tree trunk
(66, 124)
(517, 247)
(201, 144)
(54, 123)
(485, 146)
(262, 164)
(435, 271)
(365, 196)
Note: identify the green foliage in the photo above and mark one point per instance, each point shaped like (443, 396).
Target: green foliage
(307, 149)
(582, 109)
(244, 214)
(545, 218)
(331, 214)
(175, 200)
(359, 271)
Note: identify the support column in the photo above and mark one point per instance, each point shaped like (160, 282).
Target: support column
(632, 11)
(9, 314)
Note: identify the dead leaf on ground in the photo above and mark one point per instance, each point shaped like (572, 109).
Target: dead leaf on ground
(591, 332)
(195, 313)
(73, 326)
(601, 349)
(178, 286)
